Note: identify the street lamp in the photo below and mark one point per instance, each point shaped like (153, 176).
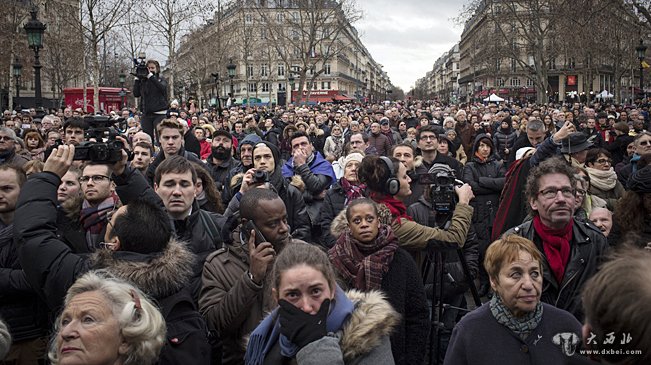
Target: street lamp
(18, 71)
(641, 51)
(35, 29)
(291, 86)
(215, 76)
(231, 73)
(123, 93)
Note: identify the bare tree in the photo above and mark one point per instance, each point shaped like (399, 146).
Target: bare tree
(308, 34)
(98, 18)
(11, 33)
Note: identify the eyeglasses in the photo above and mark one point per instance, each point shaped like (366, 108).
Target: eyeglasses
(580, 192)
(553, 192)
(604, 161)
(6, 139)
(95, 178)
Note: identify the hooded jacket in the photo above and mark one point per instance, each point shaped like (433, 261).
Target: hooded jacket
(487, 180)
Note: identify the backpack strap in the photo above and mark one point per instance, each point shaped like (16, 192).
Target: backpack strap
(211, 228)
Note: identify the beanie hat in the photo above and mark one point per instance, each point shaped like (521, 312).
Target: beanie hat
(355, 156)
(640, 181)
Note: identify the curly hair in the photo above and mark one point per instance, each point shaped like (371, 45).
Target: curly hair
(554, 165)
(142, 325)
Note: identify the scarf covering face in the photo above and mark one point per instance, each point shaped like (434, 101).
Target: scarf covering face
(353, 191)
(556, 243)
(520, 326)
(364, 264)
(265, 336)
(602, 180)
(396, 207)
(94, 219)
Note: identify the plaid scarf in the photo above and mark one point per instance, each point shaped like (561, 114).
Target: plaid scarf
(364, 264)
(94, 219)
(522, 327)
(352, 191)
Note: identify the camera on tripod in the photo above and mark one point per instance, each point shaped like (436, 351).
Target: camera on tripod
(106, 149)
(442, 183)
(140, 63)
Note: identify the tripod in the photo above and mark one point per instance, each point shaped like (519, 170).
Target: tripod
(436, 260)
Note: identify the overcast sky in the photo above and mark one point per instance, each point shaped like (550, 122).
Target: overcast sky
(407, 36)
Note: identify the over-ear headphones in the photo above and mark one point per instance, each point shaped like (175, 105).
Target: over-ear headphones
(392, 185)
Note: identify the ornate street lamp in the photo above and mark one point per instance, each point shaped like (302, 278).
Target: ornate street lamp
(291, 86)
(35, 29)
(123, 93)
(231, 74)
(18, 72)
(641, 51)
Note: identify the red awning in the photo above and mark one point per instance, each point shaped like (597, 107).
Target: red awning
(342, 98)
(483, 93)
(319, 99)
(530, 90)
(503, 91)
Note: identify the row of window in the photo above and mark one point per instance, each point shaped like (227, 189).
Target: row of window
(264, 70)
(265, 86)
(514, 82)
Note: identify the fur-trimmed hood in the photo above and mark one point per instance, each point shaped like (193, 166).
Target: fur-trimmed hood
(158, 275)
(339, 223)
(373, 319)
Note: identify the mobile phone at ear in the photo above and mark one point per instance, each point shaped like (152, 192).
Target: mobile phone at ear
(248, 226)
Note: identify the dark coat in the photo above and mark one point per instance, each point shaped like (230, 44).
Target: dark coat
(151, 170)
(191, 143)
(502, 140)
(333, 204)
(380, 142)
(487, 180)
(221, 172)
(520, 142)
(587, 250)
(480, 339)
(153, 92)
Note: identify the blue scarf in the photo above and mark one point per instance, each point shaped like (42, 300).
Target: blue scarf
(264, 337)
(318, 166)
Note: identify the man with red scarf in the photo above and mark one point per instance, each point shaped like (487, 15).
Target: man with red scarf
(572, 249)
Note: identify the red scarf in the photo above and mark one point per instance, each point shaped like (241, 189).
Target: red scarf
(396, 207)
(556, 243)
(352, 191)
(480, 157)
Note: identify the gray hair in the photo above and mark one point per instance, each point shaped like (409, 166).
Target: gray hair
(9, 132)
(535, 125)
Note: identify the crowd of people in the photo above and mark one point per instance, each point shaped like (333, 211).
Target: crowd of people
(311, 234)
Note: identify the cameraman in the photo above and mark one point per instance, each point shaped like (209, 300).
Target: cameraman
(153, 89)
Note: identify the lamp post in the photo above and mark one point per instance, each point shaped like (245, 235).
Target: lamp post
(18, 71)
(35, 29)
(231, 74)
(291, 86)
(215, 76)
(123, 93)
(641, 51)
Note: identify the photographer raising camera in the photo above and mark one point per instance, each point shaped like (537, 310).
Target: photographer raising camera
(152, 89)
(388, 183)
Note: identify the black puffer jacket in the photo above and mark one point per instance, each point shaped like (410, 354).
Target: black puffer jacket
(487, 180)
(503, 140)
(587, 250)
(333, 204)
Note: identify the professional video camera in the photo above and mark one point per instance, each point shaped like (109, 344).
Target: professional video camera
(442, 182)
(106, 148)
(140, 64)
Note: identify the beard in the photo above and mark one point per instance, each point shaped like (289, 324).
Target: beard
(220, 153)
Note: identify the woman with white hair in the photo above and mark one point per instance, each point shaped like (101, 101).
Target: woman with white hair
(107, 321)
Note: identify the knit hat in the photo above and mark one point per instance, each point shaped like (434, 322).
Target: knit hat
(522, 151)
(251, 139)
(355, 156)
(640, 181)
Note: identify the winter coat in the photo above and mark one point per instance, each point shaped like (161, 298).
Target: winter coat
(230, 301)
(363, 340)
(333, 204)
(503, 140)
(520, 142)
(587, 250)
(479, 339)
(5, 339)
(220, 172)
(334, 146)
(201, 239)
(153, 94)
(14, 159)
(487, 180)
(380, 142)
(317, 138)
(467, 134)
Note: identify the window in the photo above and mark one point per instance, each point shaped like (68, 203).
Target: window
(248, 19)
(280, 17)
(295, 34)
(500, 82)
(264, 70)
(530, 83)
(265, 87)
(253, 87)
(282, 87)
(263, 33)
(281, 70)
(297, 52)
(249, 70)
(296, 69)
(514, 64)
(498, 63)
(326, 69)
(325, 85)
(515, 81)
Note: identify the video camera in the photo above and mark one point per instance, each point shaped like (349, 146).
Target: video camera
(141, 71)
(106, 149)
(442, 182)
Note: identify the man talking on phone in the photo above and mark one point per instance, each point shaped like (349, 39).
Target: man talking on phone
(235, 291)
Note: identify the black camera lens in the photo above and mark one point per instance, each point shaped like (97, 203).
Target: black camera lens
(260, 176)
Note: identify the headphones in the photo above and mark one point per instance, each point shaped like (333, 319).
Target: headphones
(392, 185)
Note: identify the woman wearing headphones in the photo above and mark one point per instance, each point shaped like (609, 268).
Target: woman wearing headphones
(387, 183)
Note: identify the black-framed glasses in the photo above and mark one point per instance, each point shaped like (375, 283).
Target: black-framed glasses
(95, 178)
(553, 192)
(604, 161)
(580, 192)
